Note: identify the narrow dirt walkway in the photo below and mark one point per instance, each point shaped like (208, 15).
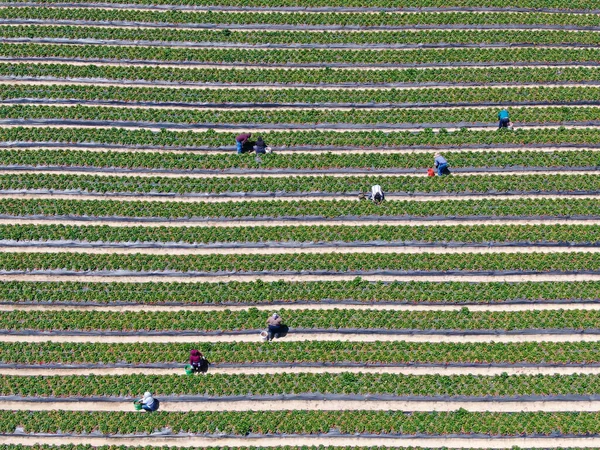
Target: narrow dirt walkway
(115, 277)
(268, 197)
(158, 440)
(311, 405)
(483, 370)
(300, 337)
(317, 150)
(281, 173)
(296, 250)
(117, 222)
(499, 307)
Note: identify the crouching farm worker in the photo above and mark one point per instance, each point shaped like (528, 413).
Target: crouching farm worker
(198, 362)
(149, 403)
(241, 140)
(260, 147)
(275, 324)
(441, 165)
(503, 119)
(376, 194)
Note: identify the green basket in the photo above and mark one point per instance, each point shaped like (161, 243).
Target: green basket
(189, 370)
(137, 406)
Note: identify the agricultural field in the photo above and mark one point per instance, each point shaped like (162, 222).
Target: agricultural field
(463, 312)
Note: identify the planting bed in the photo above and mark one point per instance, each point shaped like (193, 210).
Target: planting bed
(462, 312)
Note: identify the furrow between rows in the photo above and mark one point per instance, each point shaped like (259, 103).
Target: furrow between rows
(246, 250)
(312, 405)
(322, 440)
(513, 307)
(371, 106)
(265, 128)
(123, 83)
(295, 46)
(280, 173)
(296, 150)
(292, 27)
(425, 337)
(117, 222)
(291, 9)
(247, 369)
(355, 66)
(249, 197)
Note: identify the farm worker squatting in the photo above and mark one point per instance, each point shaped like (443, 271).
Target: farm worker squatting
(376, 194)
(441, 164)
(149, 403)
(504, 119)
(275, 326)
(198, 362)
(241, 140)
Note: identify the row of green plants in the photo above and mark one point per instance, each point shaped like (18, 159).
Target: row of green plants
(433, 96)
(260, 292)
(356, 19)
(566, 183)
(477, 234)
(527, 4)
(308, 352)
(482, 76)
(210, 117)
(304, 56)
(74, 158)
(306, 422)
(351, 262)
(325, 209)
(424, 37)
(310, 138)
(337, 319)
(288, 383)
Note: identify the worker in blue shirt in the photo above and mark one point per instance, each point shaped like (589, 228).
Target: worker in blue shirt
(504, 119)
(441, 164)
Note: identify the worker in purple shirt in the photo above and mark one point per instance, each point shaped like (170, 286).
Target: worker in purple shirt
(241, 140)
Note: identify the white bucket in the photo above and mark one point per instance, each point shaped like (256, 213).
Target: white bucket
(264, 335)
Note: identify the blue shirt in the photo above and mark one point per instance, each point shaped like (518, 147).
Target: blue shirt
(503, 114)
(439, 160)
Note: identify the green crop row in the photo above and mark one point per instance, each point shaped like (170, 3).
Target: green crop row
(331, 262)
(337, 319)
(259, 292)
(304, 56)
(540, 234)
(324, 76)
(554, 115)
(393, 19)
(306, 422)
(288, 160)
(456, 96)
(527, 4)
(287, 383)
(319, 352)
(366, 139)
(425, 37)
(560, 207)
(495, 184)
